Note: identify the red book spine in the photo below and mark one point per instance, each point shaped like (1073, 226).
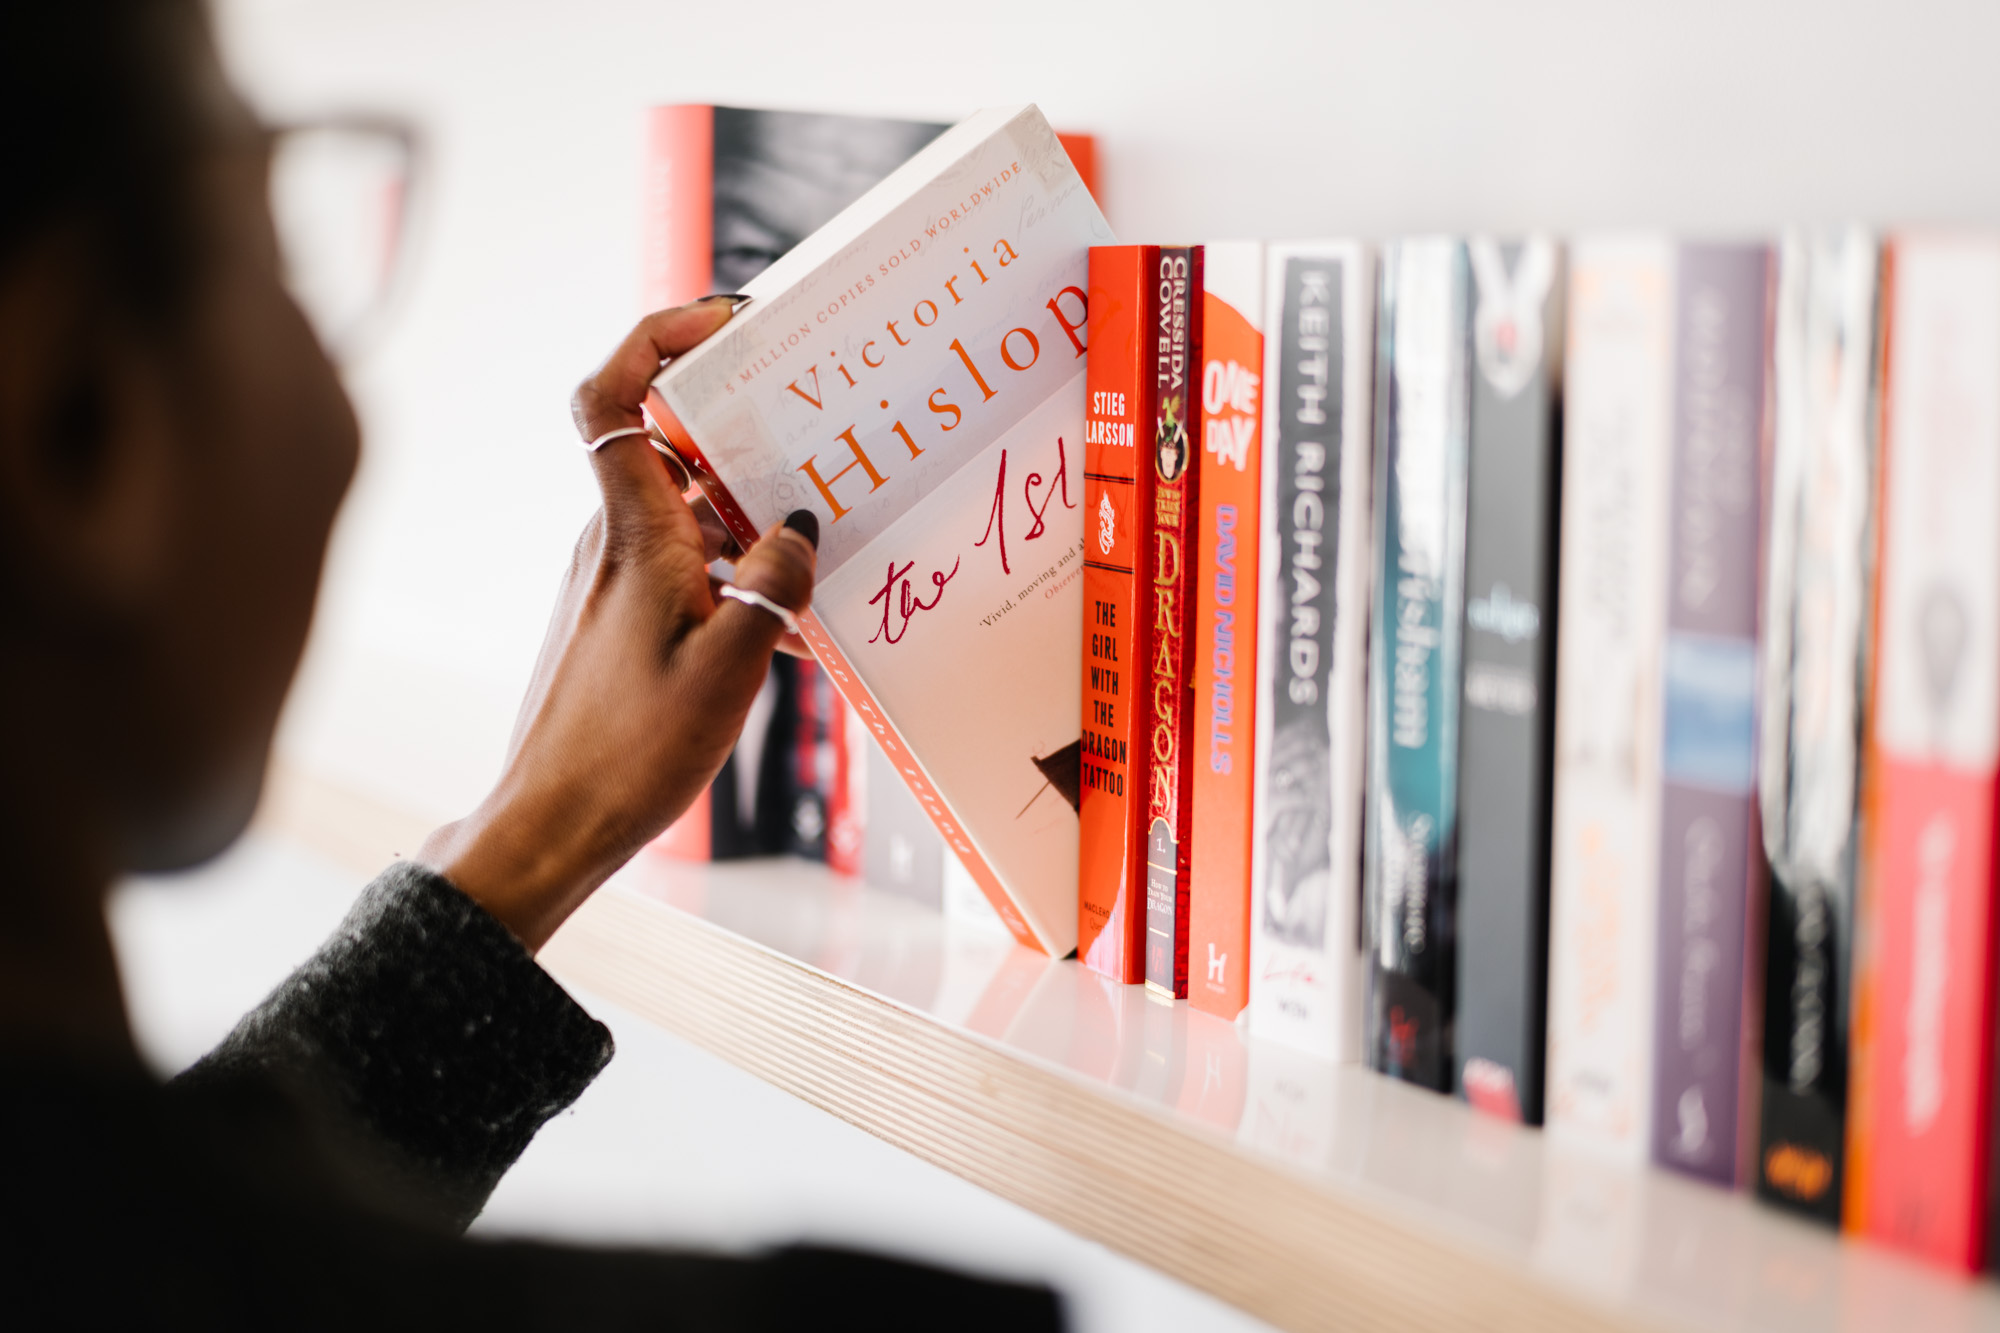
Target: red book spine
(675, 242)
(1225, 635)
(1117, 490)
(1919, 1121)
(676, 232)
(1167, 568)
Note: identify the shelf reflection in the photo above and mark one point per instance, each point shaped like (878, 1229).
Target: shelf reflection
(1665, 1246)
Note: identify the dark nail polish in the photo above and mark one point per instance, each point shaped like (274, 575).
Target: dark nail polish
(734, 298)
(806, 523)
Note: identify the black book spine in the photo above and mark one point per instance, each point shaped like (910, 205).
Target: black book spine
(1818, 591)
(1508, 711)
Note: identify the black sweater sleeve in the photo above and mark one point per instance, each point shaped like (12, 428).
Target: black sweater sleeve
(431, 1032)
(391, 1080)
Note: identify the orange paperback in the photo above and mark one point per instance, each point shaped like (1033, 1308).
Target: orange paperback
(1225, 635)
(1111, 916)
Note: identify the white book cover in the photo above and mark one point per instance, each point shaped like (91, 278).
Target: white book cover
(1306, 968)
(913, 374)
(1610, 635)
(1940, 547)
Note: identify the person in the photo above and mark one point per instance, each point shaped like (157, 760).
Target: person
(173, 448)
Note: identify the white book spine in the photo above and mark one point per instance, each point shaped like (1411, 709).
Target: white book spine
(1611, 635)
(1940, 547)
(1306, 966)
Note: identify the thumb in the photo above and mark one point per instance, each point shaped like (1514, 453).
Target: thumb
(780, 566)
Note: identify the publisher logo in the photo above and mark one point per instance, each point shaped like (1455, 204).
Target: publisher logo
(1500, 689)
(1172, 444)
(1507, 328)
(1489, 1086)
(1500, 613)
(1107, 524)
(1799, 1172)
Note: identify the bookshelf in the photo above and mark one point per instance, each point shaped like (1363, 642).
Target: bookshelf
(1308, 1194)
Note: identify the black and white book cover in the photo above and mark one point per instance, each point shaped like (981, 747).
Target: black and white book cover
(1506, 721)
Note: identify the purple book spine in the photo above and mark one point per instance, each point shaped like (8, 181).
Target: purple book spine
(1708, 755)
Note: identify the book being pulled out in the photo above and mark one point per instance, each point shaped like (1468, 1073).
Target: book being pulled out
(913, 374)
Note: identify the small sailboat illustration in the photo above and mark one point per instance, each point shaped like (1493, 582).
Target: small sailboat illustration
(1062, 770)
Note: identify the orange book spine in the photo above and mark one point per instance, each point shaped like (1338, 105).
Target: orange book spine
(1082, 150)
(1225, 635)
(1111, 916)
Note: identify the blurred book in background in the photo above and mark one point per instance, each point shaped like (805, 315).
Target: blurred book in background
(1422, 422)
(1507, 707)
(1920, 1132)
(1604, 875)
(1819, 586)
(1306, 966)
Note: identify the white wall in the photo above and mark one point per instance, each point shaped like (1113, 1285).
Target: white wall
(1233, 117)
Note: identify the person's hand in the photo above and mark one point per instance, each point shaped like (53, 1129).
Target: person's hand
(646, 675)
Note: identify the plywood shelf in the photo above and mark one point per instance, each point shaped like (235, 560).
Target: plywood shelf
(1310, 1195)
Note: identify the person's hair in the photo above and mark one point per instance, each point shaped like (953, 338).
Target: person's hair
(103, 102)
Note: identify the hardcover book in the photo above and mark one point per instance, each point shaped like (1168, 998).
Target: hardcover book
(1612, 608)
(1225, 636)
(1819, 589)
(1507, 709)
(1709, 858)
(1166, 575)
(1421, 424)
(1306, 965)
(1117, 492)
(1919, 1135)
(913, 374)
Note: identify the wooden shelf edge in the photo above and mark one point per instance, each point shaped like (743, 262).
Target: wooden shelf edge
(1187, 1203)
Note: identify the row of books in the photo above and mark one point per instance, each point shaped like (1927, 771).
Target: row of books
(1566, 676)
(1570, 678)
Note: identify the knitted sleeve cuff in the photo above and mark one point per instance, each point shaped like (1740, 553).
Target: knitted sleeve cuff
(433, 1030)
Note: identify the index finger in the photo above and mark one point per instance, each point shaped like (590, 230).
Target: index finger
(611, 397)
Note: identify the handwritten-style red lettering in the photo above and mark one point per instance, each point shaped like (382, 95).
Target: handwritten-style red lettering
(900, 604)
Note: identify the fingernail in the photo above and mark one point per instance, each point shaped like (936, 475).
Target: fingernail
(734, 298)
(806, 523)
